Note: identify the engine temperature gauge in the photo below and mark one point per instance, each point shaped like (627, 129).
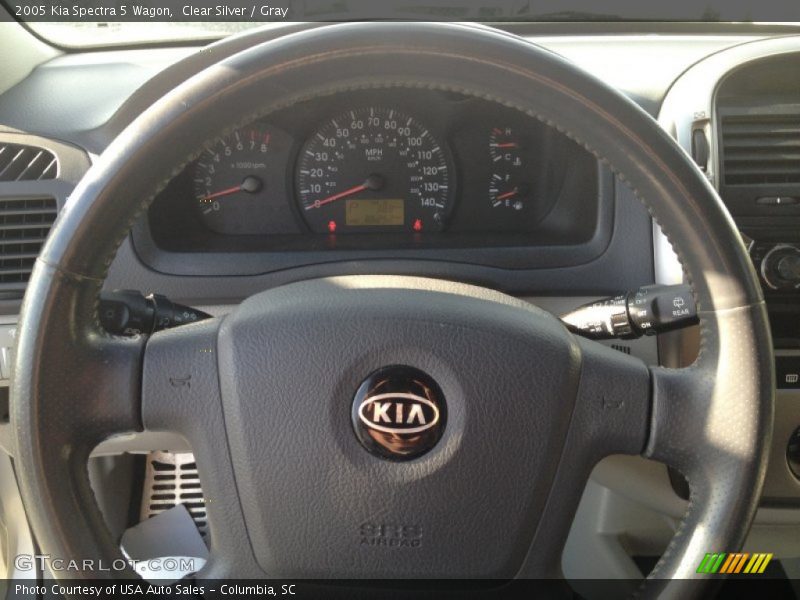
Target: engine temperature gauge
(508, 186)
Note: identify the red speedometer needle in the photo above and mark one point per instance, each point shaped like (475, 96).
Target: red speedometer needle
(339, 196)
(374, 182)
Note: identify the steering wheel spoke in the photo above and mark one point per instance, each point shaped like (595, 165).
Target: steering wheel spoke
(613, 406)
(181, 395)
(610, 416)
(180, 389)
(707, 408)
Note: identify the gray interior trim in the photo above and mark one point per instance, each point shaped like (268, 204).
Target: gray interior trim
(689, 104)
(21, 52)
(668, 269)
(19, 539)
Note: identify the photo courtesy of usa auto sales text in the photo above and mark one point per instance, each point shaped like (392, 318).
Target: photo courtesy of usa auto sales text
(145, 589)
(106, 590)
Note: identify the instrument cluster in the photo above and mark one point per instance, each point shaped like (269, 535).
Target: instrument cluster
(382, 168)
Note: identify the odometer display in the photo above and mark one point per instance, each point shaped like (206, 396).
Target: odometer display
(362, 213)
(373, 169)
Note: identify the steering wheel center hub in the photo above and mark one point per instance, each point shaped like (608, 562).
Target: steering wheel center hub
(399, 413)
(469, 394)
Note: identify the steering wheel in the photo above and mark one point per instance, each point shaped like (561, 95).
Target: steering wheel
(511, 411)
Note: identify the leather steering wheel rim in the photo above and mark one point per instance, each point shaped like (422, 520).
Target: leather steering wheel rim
(74, 385)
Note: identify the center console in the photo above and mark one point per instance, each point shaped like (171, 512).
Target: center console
(737, 114)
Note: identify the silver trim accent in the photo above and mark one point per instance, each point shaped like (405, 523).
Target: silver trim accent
(688, 106)
(667, 266)
(765, 263)
(172, 479)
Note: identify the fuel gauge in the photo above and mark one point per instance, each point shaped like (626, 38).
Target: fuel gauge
(508, 185)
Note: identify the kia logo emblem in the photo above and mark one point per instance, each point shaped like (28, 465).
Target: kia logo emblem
(399, 413)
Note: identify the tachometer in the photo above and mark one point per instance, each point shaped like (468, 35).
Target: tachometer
(239, 178)
(373, 169)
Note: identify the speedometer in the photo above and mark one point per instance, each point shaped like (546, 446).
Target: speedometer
(373, 169)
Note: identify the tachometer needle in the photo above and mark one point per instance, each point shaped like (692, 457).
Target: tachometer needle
(249, 184)
(507, 194)
(225, 192)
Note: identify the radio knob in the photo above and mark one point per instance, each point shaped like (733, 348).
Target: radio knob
(780, 267)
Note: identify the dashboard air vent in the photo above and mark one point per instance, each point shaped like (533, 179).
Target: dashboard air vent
(24, 225)
(172, 479)
(26, 163)
(761, 149)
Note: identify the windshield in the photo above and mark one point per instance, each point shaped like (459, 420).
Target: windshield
(110, 33)
(108, 22)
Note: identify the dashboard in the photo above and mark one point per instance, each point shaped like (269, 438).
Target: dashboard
(393, 168)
